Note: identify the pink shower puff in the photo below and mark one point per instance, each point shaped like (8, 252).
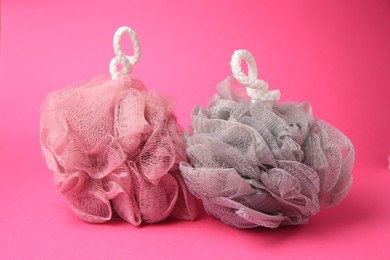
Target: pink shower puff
(255, 162)
(115, 149)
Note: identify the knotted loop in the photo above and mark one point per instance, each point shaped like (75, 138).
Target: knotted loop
(121, 58)
(247, 80)
(256, 88)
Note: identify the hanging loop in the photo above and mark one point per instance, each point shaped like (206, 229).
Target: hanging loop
(126, 61)
(256, 88)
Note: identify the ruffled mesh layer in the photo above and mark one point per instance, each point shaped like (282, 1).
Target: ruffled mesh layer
(254, 164)
(115, 149)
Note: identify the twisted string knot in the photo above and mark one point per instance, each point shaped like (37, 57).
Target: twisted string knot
(256, 88)
(126, 61)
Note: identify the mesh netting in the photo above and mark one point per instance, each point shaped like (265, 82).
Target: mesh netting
(255, 164)
(115, 148)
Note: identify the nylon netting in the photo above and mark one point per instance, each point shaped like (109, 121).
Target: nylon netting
(256, 164)
(115, 149)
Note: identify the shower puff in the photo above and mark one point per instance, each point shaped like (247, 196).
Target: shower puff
(115, 147)
(255, 162)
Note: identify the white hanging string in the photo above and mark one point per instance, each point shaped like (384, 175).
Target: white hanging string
(121, 58)
(256, 88)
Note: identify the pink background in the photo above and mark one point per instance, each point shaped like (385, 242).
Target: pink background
(334, 54)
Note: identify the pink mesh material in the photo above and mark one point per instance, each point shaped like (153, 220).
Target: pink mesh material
(115, 149)
(255, 164)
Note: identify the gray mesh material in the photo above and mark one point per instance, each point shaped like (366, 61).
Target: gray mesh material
(256, 164)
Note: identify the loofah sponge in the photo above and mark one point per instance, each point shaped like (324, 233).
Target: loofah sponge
(255, 162)
(115, 147)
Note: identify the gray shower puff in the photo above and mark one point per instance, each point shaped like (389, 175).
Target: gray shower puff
(260, 164)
